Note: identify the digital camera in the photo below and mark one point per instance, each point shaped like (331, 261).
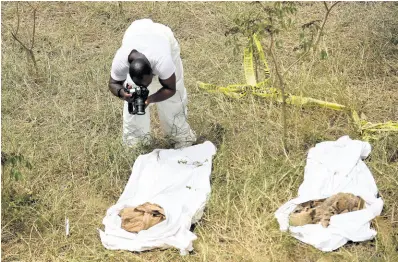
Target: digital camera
(136, 104)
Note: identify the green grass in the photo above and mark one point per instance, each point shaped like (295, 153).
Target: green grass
(67, 125)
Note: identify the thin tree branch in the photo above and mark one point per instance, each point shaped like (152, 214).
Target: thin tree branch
(19, 41)
(318, 37)
(31, 6)
(28, 50)
(32, 56)
(295, 62)
(328, 9)
(282, 86)
(16, 31)
(34, 28)
(326, 6)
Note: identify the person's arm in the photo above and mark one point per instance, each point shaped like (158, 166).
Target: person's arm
(116, 88)
(168, 90)
(119, 71)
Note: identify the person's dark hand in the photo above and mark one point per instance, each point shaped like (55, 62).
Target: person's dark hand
(125, 95)
(148, 101)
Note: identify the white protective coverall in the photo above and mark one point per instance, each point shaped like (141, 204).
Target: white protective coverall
(158, 44)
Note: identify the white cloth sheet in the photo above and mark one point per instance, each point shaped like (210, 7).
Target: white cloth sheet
(176, 179)
(333, 167)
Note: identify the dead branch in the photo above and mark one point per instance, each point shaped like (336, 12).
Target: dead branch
(29, 50)
(320, 31)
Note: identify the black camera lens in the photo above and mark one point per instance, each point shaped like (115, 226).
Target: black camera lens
(141, 111)
(132, 109)
(140, 106)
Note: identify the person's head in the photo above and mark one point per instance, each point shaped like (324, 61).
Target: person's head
(141, 72)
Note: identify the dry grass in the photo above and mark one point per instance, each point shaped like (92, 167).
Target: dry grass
(67, 125)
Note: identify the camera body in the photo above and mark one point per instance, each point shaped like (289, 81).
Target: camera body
(136, 104)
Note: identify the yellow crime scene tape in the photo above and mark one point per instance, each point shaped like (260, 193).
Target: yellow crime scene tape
(262, 89)
(371, 131)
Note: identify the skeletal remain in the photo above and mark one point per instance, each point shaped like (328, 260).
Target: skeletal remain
(135, 219)
(320, 211)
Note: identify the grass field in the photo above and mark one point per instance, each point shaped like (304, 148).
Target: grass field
(65, 123)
